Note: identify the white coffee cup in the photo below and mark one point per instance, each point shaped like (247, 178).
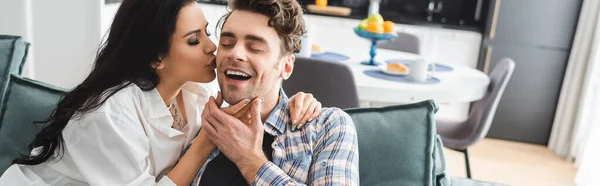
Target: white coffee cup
(419, 70)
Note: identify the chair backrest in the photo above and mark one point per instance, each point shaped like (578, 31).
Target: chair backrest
(332, 83)
(482, 112)
(398, 145)
(404, 42)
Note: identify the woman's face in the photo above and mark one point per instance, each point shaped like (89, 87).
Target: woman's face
(191, 54)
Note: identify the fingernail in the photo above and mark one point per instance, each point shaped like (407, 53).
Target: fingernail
(299, 126)
(247, 101)
(294, 122)
(293, 128)
(309, 120)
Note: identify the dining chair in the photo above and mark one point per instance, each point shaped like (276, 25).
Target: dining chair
(404, 42)
(460, 136)
(332, 83)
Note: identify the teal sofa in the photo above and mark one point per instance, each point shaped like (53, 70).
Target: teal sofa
(398, 144)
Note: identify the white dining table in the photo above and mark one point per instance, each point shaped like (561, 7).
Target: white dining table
(461, 85)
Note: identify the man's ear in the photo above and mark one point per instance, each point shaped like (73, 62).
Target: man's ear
(288, 66)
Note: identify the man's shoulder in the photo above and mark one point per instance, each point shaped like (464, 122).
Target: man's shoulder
(333, 113)
(332, 117)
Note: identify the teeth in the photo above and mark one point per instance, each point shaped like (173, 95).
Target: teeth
(238, 73)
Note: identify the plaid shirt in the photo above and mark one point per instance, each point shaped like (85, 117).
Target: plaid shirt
(323, 152)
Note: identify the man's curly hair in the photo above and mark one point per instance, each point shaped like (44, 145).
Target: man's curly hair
(285, 16)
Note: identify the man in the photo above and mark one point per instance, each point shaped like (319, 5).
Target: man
(257, 42)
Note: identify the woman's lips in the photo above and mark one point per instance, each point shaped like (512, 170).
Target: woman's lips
(212, 63)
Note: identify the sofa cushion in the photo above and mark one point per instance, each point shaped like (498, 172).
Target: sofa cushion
(396, 145)
(27, 101)
(13, 51)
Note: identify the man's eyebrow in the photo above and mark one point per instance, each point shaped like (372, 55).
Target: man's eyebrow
(227, 34)
(256, 38)
(192, 32)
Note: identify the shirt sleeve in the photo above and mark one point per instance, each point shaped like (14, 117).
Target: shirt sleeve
(113, 150)
(335, 160)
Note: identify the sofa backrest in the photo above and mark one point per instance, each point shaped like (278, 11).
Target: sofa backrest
(398, 145)
(13, 52)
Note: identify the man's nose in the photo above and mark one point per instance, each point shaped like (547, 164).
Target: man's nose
(238, 53)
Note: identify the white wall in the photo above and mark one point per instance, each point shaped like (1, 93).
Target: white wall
(64, 34)
(67, 35)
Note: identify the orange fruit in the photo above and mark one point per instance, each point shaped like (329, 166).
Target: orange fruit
(374, 27)
(321, 3)
(389, 27)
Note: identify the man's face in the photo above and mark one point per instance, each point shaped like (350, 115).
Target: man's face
(249, 58)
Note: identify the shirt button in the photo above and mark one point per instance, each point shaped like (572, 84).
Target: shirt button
(323, 164)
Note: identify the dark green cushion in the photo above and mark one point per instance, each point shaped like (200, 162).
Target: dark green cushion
(26, 101)
(13, 51)
(396, 144)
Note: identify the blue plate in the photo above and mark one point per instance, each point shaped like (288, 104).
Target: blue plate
(369, 35)
(330, 56)
(403, 79)
(438, 67)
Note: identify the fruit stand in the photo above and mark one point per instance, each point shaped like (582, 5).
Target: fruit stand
(375, 29)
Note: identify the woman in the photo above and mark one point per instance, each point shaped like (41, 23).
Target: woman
(130, 119)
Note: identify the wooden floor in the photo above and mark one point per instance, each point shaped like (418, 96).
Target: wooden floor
(512, 163)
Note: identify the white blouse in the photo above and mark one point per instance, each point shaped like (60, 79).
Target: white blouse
(127, 141)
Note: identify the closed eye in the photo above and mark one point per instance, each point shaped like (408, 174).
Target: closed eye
(194, 42)
(226, 45)
(227, 42)
(256, 50)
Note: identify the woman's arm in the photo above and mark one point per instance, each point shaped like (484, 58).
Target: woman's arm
(191, 162)
(113, 149)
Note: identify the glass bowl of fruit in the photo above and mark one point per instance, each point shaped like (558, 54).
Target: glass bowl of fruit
(375, 29)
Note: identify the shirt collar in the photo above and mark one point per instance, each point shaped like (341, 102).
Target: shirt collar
(191, 92)
(156, 106)
(278, 121)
